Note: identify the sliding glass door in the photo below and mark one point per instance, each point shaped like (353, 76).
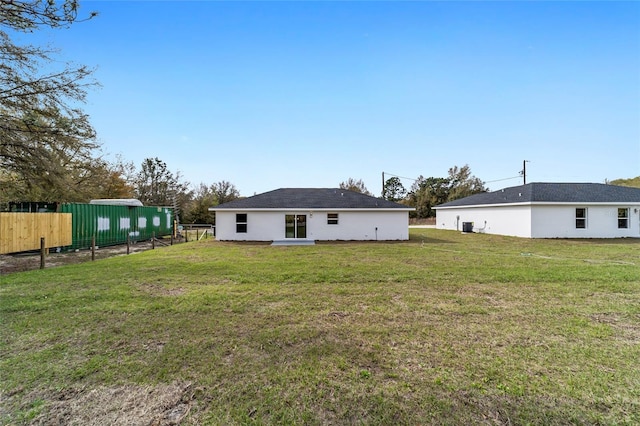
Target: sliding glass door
(295, 226)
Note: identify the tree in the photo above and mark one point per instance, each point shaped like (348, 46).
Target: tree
(355, 186)
(112, 179)
(156, 185)
(632, 182)
(46, 141)
(394, 190)
(28, 15)
(82, 181)
(198, 211)
(205, 196)
(462, 183)
(427, 193)
(223, 192)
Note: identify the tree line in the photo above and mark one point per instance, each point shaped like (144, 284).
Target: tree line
(426, 193)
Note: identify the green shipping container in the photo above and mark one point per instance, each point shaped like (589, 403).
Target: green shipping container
(113, 224)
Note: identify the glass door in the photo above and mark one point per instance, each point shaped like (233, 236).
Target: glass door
(301, 226)
(295, 226)
(290, 226)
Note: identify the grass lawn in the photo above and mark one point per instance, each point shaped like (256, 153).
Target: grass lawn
(442, 329)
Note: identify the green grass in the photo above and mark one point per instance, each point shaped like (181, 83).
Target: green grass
(442, 329)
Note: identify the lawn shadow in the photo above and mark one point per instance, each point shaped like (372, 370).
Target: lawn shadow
(606, 241)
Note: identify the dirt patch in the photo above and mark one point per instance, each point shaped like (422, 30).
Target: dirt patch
(120, 405)
(626, 329)
(20, 262)
(158, 290)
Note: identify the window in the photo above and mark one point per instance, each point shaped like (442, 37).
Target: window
(623, 218)
(332, 218)
(581, 218)
(241, 223)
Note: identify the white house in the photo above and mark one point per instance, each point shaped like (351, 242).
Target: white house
(547, 210)
(308, 214)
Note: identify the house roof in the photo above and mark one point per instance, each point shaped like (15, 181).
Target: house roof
(310, 198)
(584, 193)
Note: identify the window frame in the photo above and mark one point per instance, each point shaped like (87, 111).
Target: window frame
(581, 219)
(623, 219)
(333, 219)
(241, 223)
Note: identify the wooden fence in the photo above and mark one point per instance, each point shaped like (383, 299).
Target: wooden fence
(23, 231)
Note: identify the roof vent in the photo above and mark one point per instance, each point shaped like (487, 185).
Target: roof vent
(342, 194)
(519, 194)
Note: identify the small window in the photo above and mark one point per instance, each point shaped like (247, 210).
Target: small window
(241, 223)
(581, 218)
(623, 218)
(332, 218)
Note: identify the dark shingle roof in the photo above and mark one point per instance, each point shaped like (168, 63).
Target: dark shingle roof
(552, 192)
(311, 198)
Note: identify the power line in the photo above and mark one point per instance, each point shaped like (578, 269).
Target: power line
(401, 177)
(416, 180)
(498, 180)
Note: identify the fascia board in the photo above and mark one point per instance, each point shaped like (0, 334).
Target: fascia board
(542, 203)
(291, 209)
(482, 206)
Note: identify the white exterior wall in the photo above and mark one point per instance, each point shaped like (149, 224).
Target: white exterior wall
(542, 220)
(514, 220)
(352, 225)
(260, 226)
(559, 221)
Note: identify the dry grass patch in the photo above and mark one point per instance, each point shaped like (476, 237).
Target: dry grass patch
(123, 405)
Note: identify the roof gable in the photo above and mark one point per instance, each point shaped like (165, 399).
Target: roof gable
(552, 193)
(310, 198)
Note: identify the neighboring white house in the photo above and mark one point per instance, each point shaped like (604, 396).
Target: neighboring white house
(309, 214)
(547, 210)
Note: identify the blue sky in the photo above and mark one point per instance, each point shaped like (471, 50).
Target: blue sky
(307, 94)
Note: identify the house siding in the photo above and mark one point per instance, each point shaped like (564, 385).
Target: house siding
(558, 221)
(505, 220)
(352, 225)
(543, 220)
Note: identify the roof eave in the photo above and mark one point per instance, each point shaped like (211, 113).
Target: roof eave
(544, 203)
(312, 209)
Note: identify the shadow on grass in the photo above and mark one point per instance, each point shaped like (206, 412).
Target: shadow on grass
(423, 239)
(606, 241)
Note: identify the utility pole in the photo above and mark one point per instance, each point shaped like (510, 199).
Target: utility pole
(524, 171)
(383, 185)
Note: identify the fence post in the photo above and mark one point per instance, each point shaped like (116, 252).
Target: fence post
(197, 234)
(42, 252)
(171, 239)
(153, 240)
(93, 248)
(128, 243)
